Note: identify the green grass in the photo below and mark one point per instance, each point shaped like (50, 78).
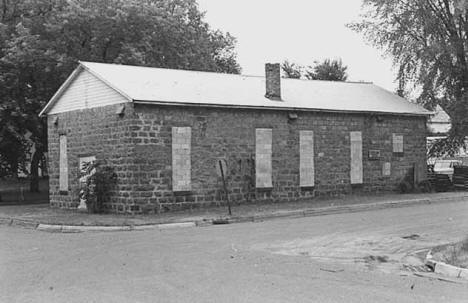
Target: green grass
(24, 197)
(16, 191)
(454, 254)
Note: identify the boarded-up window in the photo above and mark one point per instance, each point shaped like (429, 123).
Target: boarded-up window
(356, 157)
(306, 158)
(263, 137)
(387, 169)
(181, 163)
(63, 164)
(397, 143)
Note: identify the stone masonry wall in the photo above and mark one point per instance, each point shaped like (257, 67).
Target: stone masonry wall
(139, 147)
(230, 134)
(98, 132)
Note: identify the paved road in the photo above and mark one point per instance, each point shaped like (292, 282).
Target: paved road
(319, 259)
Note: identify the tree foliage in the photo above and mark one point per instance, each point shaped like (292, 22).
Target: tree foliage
(41, 42)
(291, 70)
(428, 41)
(97, 182)
(331, 70)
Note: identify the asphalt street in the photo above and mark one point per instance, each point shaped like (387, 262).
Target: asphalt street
(357, 257)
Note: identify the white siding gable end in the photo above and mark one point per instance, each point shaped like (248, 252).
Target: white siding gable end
(86, 91)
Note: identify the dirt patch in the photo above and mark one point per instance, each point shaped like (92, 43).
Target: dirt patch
(454, 254)
(379, 259)
(412, 237)
(381, 262)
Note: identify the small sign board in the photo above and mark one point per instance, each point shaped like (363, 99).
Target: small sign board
(221, 164)
(374, 154)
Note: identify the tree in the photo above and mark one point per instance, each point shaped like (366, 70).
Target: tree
(428, 41)
(291, 70)
(331, 70)
(41, 42)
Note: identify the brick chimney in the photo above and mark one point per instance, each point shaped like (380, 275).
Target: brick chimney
(273, 81)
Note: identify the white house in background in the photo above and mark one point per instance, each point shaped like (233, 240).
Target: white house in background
(439, 126)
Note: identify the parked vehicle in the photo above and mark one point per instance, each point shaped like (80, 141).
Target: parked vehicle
(445, 167)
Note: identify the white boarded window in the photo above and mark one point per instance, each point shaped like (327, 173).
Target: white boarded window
(63, 164)
(387, 169)
(181, 160)
(263, 137)
(397, 143)
(356, 157)
(306, 158)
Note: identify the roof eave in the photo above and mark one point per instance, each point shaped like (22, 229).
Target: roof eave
(169, 103)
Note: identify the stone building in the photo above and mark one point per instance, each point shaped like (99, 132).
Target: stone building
(164, 132)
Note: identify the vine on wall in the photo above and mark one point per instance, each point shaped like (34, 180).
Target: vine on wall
(96, 184)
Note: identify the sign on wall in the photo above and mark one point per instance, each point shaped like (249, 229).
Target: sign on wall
(306, 158)
(263, 170)
(181, 159)
(356, 157)
(374, 154)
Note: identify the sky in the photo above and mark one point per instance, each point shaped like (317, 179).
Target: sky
(301, 31)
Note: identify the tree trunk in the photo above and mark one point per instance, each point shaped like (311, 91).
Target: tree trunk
(34, 174)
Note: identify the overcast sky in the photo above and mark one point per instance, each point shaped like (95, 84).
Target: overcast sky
(299, 30)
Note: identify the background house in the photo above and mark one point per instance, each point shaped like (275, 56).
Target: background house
(164, 131)
(439, 125)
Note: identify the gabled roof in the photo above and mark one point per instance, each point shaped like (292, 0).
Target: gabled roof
(193, 88)
(440, 116)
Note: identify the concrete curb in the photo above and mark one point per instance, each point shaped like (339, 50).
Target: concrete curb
(311, 212)
(446, 269)
(176, 225)
(330, 210)
(24, 223)
(85, 228)
(19, 222)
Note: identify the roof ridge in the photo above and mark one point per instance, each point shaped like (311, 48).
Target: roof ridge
(222, 74)
(331, 81)
(172, 69)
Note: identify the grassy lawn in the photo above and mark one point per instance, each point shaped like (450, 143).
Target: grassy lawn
(16, 191)
(453, 254)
